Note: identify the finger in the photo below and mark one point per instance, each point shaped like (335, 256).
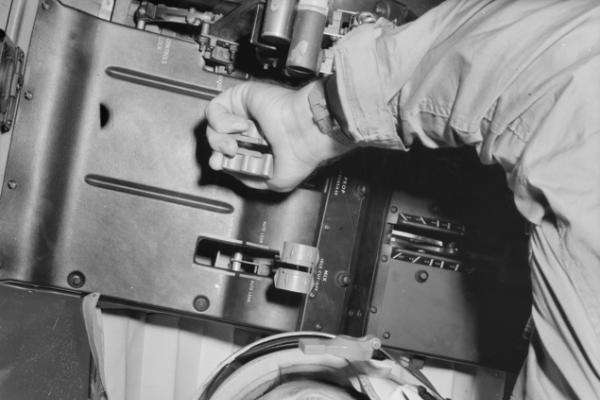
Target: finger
(221, 142)
(223, 120)
(254, 183)
(252, 131)
(216, 161)
(282, 185)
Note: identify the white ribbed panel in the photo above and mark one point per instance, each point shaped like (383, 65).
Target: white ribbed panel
(160, 357)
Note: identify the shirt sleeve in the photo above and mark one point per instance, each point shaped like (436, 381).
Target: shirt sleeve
(374, 61)
(519, 81)
(450, 77)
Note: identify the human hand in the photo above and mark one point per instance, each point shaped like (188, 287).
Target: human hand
(284, 120)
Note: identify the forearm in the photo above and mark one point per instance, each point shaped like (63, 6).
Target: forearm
(467, 72)
(375, 61)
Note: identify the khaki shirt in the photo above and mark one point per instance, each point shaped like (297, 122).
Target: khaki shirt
(520, 81)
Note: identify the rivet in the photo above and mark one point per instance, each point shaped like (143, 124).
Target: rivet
(12, 184)
(201, 303)
(344, 279)
(318, 327)
(384, 258)
(421, 276)
(45, 5)
(387, 335)
(76, 279)
(373, 310)
(394, 209)
(28, 95)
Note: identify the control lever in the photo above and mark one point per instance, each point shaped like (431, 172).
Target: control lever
(303, 260)
(291, 268)
(423, 242)
(417, 239)
(252, 159)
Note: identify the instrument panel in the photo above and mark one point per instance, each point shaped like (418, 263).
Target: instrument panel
(107, 189)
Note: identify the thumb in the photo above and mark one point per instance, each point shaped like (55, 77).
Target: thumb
(222, 120)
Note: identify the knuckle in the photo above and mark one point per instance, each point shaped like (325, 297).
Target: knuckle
(213, 137)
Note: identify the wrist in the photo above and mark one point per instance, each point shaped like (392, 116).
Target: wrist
(328, 124)
(325, 145)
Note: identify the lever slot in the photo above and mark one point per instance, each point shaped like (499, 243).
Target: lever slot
(235, 255)
(291, 268)
(428, 241)
(422, 243)
(431, 224)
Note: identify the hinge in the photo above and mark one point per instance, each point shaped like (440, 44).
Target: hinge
(12, 62)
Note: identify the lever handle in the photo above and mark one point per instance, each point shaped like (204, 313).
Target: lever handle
(253, 157)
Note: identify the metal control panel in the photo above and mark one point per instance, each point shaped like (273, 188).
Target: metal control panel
(108, 189)
(434, 294)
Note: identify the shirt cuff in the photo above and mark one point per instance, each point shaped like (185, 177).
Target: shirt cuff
(323, 116)
(356, 95)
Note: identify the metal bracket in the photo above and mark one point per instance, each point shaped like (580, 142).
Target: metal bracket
(349, 348)
(293, 265)
(11, 80)
(149, 13)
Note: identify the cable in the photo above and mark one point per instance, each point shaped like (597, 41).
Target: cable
(418, 375)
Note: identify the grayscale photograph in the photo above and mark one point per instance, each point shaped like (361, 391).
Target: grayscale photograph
(299, 200)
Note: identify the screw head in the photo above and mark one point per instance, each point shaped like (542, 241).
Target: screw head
(76, 279)
(394, 209)
(12, 184)
(318, 327)
(344, 279)
(28, 95)
(384, 258)
(326, 227)
(373, 310)
(201, 303)
(421, 276)
(386, 335)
